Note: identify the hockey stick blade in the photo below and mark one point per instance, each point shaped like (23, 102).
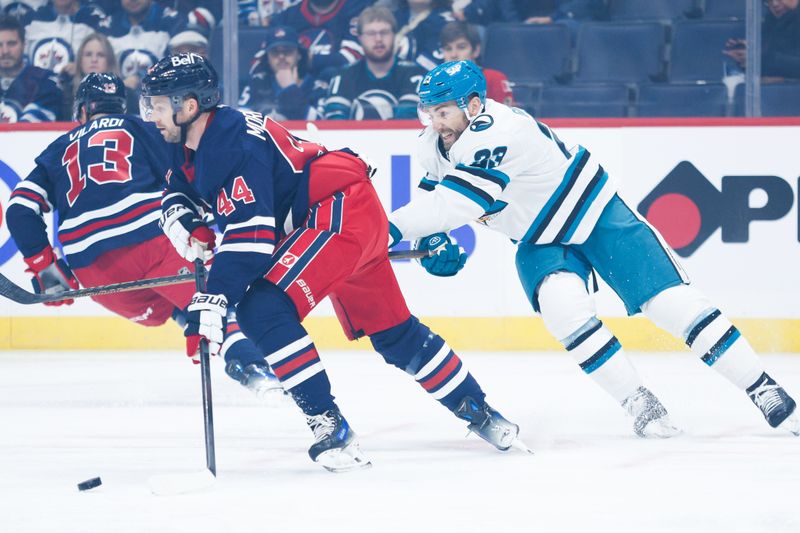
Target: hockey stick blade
(17, 294)
(173, 484)
(410, 254)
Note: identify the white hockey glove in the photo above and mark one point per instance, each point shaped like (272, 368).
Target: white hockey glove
(190, 236)
(206, 317)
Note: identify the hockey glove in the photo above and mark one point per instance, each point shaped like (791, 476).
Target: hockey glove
(190, 236)
(51, 275)
(205, 318)
(449, 258)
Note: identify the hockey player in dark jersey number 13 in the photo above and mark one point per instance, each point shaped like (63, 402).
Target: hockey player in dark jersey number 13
(105, 180)
(300, 223)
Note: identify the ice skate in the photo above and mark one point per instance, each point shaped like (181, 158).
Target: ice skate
(335, 444)
(490, 425)
(777, 406)
(650, 418)
(257, 378)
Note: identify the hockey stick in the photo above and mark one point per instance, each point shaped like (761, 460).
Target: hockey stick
(13, 292)
(181, 483)
(17, 294)
(410, 254)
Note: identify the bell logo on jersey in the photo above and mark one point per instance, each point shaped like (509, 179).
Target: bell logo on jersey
(687, 208)
(288, 259)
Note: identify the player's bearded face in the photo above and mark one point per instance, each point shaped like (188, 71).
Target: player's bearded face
(448, 120)
(158, 109)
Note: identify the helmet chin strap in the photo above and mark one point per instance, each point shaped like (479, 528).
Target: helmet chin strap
(185, 126)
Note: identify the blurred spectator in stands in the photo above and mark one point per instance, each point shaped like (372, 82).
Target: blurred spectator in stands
(421, 23)
(461, 41)
(258, 12)
(279, 85)
(327, 30)
(188, 42)
(569, 12)
(197, 15)
(21, 9)
(780, 42)
(55, 31)
(139, 34)
(95, 54)
(380, 86)
(27, 93)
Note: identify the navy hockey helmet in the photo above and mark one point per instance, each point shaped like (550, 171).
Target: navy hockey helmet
(454, 81)
(178, 77)
(99, 92)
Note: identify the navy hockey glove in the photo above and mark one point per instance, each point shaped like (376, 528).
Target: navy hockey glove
(51, 275)
(449, 257)
(190, 236)
(206, 317)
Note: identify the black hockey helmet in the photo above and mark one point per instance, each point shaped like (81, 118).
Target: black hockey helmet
(99, 92)
(180, 76)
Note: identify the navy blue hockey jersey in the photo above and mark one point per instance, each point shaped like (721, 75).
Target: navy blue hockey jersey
(33, 96)
(248, 172)
(331, 38)
(104, 178)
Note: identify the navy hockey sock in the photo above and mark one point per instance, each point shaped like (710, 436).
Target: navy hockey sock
(267, 316)
(238, 350)
(414, 348)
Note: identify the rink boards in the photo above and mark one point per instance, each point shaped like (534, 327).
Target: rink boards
(724, 193)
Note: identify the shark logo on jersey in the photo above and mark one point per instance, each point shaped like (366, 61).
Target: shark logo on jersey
(481, 123)
(374, 104)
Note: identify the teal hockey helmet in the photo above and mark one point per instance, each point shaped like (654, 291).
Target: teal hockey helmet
(454, 81)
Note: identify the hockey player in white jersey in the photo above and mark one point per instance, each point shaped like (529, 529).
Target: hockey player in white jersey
(497, 165)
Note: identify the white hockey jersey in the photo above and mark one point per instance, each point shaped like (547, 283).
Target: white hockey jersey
(512, 174)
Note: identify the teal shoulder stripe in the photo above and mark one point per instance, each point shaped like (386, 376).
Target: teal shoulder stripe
(466, 192)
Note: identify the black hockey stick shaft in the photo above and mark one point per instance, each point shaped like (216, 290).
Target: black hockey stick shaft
(205, 373)
(410, 254)
(16, 293)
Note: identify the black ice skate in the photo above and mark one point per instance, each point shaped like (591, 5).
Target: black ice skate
(777, 406)
(257, 378)
(650, 418)
(490, 425)
(335, 444)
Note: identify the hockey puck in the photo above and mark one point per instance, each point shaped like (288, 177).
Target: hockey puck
(89, 484)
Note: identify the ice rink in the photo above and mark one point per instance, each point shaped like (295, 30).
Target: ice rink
(70, 416)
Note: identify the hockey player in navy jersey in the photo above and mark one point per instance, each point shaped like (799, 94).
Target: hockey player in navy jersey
(105, 180)
(498, 166)
(299, 224)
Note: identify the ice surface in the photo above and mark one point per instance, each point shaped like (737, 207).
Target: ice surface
(66, 417)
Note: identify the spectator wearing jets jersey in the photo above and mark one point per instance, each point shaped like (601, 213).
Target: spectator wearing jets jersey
(300, 223)
(139, 34)
(105, 180)
(462, 42)
(27, 93)
(379, 86)
(327, 31)
(499, 166)
(55, 31)
(421, 22)
(21, 9)
(278, 85)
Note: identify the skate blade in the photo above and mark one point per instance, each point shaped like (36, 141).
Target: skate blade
(342, 460)
(517, 444)
(791, 424)
(661, 428)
